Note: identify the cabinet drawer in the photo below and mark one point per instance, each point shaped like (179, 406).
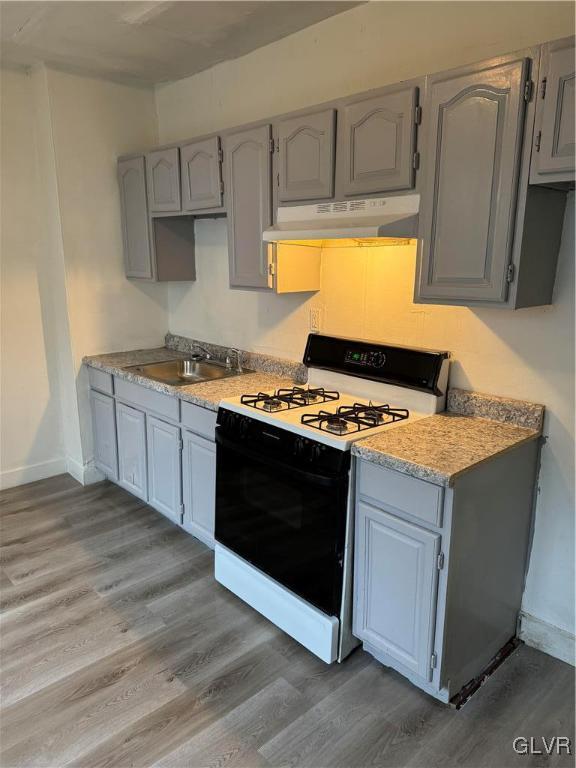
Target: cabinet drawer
(100, 380)
(164, 405)
(200, 420)
(401, 493)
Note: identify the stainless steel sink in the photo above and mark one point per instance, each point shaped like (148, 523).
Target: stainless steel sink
(180, 372)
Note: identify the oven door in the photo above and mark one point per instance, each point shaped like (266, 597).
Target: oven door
(288, 521)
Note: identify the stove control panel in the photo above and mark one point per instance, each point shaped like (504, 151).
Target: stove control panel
(374, 358)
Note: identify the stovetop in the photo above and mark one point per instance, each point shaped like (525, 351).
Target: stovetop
(326, 415)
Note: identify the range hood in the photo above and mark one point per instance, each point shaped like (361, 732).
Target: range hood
(373, 221)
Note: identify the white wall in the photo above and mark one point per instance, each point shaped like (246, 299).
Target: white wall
(63, 280)
(31, 445)
(526, 354)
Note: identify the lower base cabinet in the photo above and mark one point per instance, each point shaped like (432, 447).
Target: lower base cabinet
(164, 468)
(132, 465)
(199, 486)
(104, 431)
(170, 464)
(395, 582)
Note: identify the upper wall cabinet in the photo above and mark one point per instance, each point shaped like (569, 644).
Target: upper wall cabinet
(138, 261)
(471, 156)
(201, 164)
(248, 164)
(377, 142)
(306, 156)
(163, 177)
(553, 155)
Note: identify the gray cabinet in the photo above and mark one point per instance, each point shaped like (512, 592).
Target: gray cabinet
(131, 433)
(138, 261)
(473, 135)
(395, 584)
(248, 186)
(164, 474)
(553, 155)
(306, 156)
(104, 431)
(201, 174)
(377, 142)
(163, 180)
(199, 486)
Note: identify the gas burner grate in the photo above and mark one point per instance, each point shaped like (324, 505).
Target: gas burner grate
(285, 399)
(354, 418)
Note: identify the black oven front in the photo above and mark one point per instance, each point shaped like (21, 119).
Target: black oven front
(281, 504)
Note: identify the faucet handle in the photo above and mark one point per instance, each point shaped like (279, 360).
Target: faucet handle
(229, 353)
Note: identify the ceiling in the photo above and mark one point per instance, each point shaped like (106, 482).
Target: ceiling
(148, 42)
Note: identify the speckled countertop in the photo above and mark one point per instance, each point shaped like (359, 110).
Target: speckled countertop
(206, 394)
(439, 448)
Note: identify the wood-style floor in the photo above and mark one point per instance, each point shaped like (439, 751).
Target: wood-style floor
(119, 649)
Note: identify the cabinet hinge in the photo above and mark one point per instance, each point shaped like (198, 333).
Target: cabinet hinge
(221, 187)
(433, 660)
(180, 445)
(510, 273)
(418, 115)
(272, 145)
(528, 90)
(220, 155)
(440, 561)
(416, 161)
(277, 179)
(543, 85)
(181, 510)
(538, 141)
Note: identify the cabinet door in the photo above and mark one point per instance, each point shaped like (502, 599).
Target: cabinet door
(306, 156)
(395, 587)
(247, 158)
(377, 142)
(473, 136)
(554, 139)
(134, 213)
(163, 176)
(131, 428)
(104, 428)
(199, 486)
(164, 473)
(201, 175)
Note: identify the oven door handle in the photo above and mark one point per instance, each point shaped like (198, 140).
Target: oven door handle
(312, 477)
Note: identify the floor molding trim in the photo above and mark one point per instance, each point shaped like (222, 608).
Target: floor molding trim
(10, 478)
(86, 474)
(547, 637)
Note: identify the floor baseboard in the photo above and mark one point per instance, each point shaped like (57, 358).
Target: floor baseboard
(547, 637)
(10, 478)
(86, 474)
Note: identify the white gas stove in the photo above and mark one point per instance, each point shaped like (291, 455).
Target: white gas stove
(284, 499)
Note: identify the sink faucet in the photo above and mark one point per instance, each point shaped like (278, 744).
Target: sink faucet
(204, 352)
(230, 354)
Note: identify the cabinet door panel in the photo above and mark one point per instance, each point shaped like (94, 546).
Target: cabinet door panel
(163, 176)
(556, 153)
(201, 179)
(474, 125)
(104, 428)
(378, 140)
(131, 428)
(134, 213)
(247, 157)
(306, 156)
(395, 587)
(199, 486)
(164, 474)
